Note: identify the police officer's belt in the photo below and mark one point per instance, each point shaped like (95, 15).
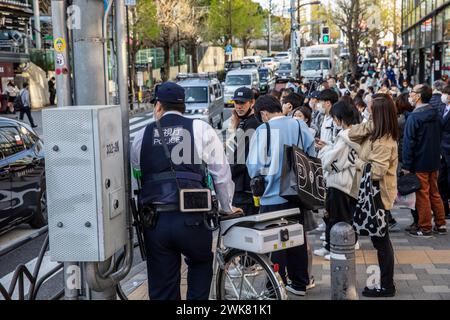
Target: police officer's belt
(169, 175)
(175, 207)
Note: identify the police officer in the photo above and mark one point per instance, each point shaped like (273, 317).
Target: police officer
(178, 233)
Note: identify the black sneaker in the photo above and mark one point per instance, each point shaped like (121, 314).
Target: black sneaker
(440, 229)
(378, 292)
(296, 291)
(418, 233)
(411, 227)
(34, 126)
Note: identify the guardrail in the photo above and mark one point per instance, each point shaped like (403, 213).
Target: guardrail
(22, 274)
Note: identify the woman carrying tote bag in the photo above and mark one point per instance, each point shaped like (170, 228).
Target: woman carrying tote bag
(378, 139)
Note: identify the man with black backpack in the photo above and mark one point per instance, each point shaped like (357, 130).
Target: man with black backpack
(265, 160)
(23, 104)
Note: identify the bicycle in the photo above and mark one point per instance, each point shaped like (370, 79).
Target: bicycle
(244, 271)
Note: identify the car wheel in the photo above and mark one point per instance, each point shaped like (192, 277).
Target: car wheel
(40, 217)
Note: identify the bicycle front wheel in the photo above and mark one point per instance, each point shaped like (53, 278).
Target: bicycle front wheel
(248, 276)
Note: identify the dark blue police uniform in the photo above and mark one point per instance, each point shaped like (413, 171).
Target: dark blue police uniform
(175, 233)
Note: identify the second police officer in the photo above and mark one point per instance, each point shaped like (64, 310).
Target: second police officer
(174, 232)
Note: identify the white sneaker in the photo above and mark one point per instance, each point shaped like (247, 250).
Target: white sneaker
(321, 227)
(301, 293)
(357, 246)
(323, 237)
(321, 252)
(327, 257)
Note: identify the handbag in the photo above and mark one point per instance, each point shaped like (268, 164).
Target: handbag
(369, 218)
(408, 183)
(302, 177)
(405, 202)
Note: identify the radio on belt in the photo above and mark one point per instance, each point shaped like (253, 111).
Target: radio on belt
(84, 167)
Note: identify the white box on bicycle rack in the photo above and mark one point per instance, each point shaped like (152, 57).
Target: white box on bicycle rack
(264, 237)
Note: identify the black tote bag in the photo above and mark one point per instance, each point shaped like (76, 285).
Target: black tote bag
(302, 177)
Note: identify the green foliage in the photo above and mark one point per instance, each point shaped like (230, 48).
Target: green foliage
(146, 26)
(229, 19)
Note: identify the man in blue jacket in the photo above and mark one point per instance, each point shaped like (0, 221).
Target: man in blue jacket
(421, 155)
(283, 131)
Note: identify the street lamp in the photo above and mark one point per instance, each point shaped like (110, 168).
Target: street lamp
(294, 8)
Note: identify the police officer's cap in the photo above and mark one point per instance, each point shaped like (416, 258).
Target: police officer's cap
(243, 94)
(169, 92)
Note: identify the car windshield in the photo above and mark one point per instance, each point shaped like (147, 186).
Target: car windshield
(238, 80)
(249, 66)
(285, 67)
(196, 94)
(266, 60)
(233, 65)
(263, 74)
(281, 55)
(315, 65)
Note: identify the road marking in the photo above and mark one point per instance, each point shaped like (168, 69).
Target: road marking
(133, 120)
(140, 124)
(46, 266)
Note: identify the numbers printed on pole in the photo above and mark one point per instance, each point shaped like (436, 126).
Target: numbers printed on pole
(112, 148)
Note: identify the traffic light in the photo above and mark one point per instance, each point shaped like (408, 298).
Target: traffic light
(325, 35)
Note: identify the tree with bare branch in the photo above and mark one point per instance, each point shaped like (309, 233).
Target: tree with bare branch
(349, 16)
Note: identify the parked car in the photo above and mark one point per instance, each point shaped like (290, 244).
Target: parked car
(285, 55)
(239, 78)
(267, 80)
(22, 176)
(203, 98)
(252, 59)
(284, 72)
(249, 66)
(232, 65)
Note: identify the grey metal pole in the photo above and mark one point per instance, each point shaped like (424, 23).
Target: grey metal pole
(37, 24)
(293, 48)
(90, 89)
(269, 50)
(88, 55)
(343, 268)
(122, 71)
(63, 86)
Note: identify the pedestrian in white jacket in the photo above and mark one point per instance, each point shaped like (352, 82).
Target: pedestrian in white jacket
(338, 162)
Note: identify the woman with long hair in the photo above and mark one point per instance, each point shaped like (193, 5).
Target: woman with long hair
(378, 140)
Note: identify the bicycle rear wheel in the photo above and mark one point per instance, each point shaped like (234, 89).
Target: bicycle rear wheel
(248, 276)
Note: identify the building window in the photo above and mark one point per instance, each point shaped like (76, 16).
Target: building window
(438, 31)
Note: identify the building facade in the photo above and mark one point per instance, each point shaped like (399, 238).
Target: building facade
(426, 39)
(14, 29)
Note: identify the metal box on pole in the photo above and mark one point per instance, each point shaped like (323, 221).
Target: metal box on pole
(85, 182)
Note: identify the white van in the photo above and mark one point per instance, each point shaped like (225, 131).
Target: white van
(239, 78)
(252, 59)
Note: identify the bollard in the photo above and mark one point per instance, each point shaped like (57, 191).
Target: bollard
(343, 268)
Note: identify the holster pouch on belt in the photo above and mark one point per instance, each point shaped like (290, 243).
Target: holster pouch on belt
(150, 216)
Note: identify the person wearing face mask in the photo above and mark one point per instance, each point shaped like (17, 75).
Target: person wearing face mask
(244, 124)
(317, 113)
(421, 156)
(338, 162)
(328, 130)
(444, 173)
(283, 131)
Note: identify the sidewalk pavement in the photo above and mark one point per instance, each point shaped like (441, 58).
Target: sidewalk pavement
(422, 268)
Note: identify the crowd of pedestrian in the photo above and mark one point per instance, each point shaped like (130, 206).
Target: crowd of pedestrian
(380, 119)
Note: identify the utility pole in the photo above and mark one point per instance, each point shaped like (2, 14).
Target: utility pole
(37, 24)
(293, 44)
(269, 50)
